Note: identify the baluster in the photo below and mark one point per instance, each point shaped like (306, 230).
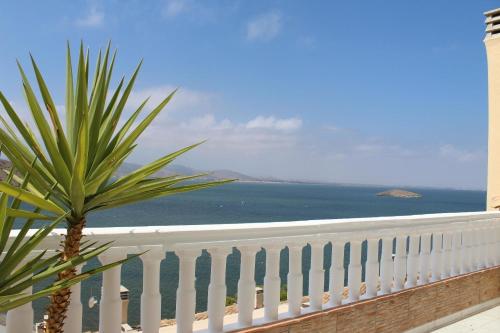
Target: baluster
(466, 252)
(425, 250)
(316, 276)
(110, 306)
(476, 256)
(437, 242)
(456, 253)
(151, 297)
(386, 266)
(294, 279)
(272, 282)
(73, 321)
(483, 248)
(400, 263)
(490, 234)
(412, 264)
(246, 285)
(354, 271)
(217, 289)
(185, 306)
(336, 286)
(371, 268)
(446, 257)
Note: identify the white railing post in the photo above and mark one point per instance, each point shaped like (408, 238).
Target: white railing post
(447, 255)
(466, 265)
(20, 319)
(294, 279)
(371, 268)
(456, 253)
(437, 242)
(425, 250)
(386, 266)
(151, 297)
(412, 263)
(185, 306)
(354, 271)
(246, 285)
(272, 282)
(110, 306)
(336, 285)
(73, 321)
(476, 255)
(217, 289)
(400, 263)
(316, 275)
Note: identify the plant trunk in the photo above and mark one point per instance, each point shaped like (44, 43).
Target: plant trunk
(59, 301)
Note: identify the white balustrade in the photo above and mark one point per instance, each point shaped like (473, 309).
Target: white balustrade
(337, 274)
(217, 289)
(371, 268)
(461, 243)
(110, 306)
(246, 285)
(316, 276)
(425, 250)
(413, 259)
(151, 297)
(294, 279)
(400, 263)
(272, 282)
(386, 266)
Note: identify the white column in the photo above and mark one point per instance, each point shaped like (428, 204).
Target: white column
(400, 263)
(110, 306)
(475, 249)
(425, 250)
(185, 306)
(246, 285)
(272, 283)
(490, 238)
(371, 268)
(354, 272)
(482, 235)
(316, 276)
(412, 263)
(336, 285)
(294, 279)
(73, 321)
(456, 253)
(20, 319)
(447, 255)
(466, 265)
(217, 289)
(386, 266)
(151, 297)
(437, 242)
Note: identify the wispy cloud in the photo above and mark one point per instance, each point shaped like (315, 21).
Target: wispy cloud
(286, 124)
(174, 8)
(94, 18)
(461, 155)
(266, 26)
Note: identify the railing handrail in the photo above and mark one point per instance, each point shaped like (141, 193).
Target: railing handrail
(178, 235)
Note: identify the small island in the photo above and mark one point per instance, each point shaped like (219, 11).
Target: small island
(396, 193)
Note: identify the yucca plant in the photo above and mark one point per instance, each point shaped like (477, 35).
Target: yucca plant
(76, 164)
(19, 268)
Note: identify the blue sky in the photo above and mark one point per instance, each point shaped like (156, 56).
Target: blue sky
(377, 92)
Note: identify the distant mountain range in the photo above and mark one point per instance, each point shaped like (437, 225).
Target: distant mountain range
(176, 169)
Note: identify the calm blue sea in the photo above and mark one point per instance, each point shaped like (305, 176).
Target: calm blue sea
(253, 202)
